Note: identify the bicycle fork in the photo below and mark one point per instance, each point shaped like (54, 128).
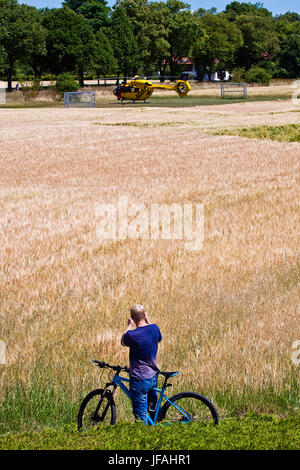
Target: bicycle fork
(110, 393)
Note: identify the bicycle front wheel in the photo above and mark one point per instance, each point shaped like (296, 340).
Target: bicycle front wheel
(189, 406)
(97, 408)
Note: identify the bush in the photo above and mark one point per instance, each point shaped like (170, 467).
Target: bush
(257, 75)
(273, 68)
(66, 82)
(31, 91)
(238, 74)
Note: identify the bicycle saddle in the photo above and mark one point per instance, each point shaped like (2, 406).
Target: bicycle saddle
(167, 374)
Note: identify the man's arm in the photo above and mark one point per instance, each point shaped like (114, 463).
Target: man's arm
(149, 323)
(159, 336)
(130, 325)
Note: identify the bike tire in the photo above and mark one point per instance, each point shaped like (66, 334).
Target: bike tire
(201, 408)
(106, 406)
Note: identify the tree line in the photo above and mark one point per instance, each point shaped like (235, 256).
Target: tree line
(145, 37)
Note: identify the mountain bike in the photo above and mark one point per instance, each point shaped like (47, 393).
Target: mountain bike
(99, 407)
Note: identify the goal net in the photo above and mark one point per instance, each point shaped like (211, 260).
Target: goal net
(80, 99)
(236, 88)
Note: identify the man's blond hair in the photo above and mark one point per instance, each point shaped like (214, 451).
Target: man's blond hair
(137, 313)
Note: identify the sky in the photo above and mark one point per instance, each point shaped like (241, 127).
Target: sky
(275, 6)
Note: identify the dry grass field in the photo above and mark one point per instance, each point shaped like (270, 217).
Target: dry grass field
(229, 313)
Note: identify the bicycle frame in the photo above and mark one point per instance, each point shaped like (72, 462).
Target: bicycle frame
(118, 382)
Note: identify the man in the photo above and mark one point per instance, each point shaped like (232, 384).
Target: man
(142, 343)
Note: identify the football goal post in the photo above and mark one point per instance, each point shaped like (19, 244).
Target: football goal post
(233, 88)
(80, 99)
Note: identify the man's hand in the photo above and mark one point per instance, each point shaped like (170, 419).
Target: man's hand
(147, 318)
(130, 324)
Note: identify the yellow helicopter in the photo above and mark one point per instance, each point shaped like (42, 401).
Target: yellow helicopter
(138, 89)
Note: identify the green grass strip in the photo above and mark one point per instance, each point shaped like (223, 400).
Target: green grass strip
(252, 432)
(155, 101)
(284, 133)
(187, 102)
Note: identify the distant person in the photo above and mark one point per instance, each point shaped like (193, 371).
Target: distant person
(143, 343)
(17, 86)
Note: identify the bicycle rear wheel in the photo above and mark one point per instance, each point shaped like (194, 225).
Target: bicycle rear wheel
(192, 407)
(97, 408)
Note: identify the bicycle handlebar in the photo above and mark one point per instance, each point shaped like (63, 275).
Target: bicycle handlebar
(102, 365)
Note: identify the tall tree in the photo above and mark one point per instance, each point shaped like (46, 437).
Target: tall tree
(104, 60)
(203, 12)
(289, 56)
(290, 16)
(148, 30)
(96, 12)
(70, 42)
(3, 35)
(217, 50)
(260, 41)
(22, 35)
(3, 58)
(234, 9)
(183, 29)
(124, 43)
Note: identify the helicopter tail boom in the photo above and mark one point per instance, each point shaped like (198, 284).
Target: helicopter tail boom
(182, 87)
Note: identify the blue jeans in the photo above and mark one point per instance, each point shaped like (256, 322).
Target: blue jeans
(142, 396)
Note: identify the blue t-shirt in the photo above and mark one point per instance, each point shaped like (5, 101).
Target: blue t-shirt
(142, 343)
